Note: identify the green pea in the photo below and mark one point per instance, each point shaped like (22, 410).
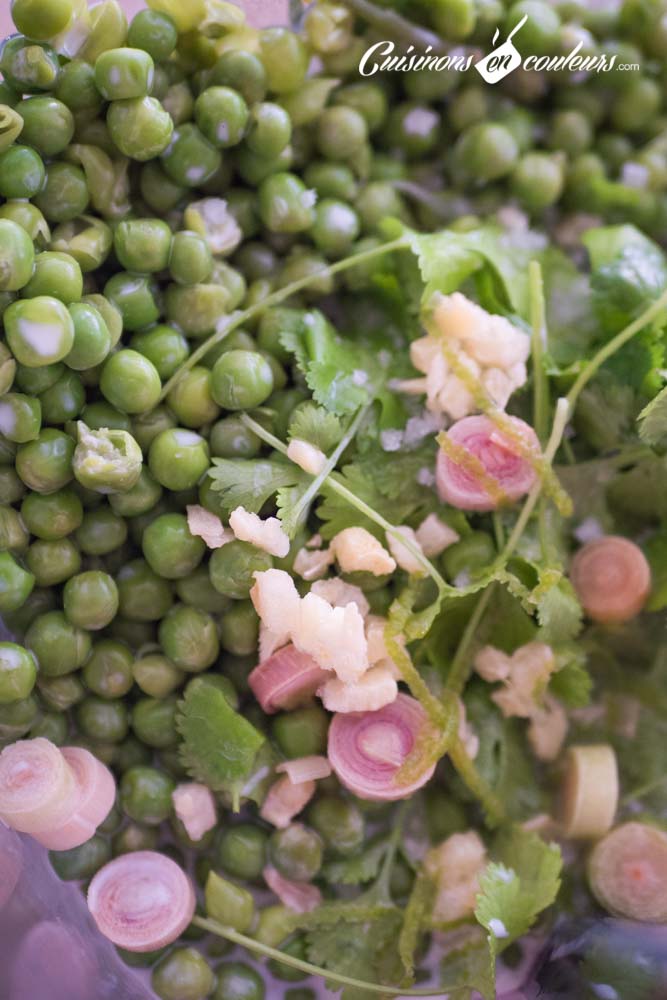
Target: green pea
(51, 726)
(637, 105)
(196, 308)
(134, 296)
(570, 131)
(110, 313)
(190, 260)
(239, 629)
(59, 646)
(100, 532)
(339, 822)
(147, 426)
(222, 115)
(134, 838)
(76, 87)
(65, 193)
(123, 73)
(341, 132)
(228, 903)
(191, 400)
(538, 180)
(27, 66)
(285, 59)
(11, 487)
(92, 340)
(190, 159)
(90, 600)
(53, 515)
(285, 204)
(169, 547)
(189, 638)
(331, 180)
(178, 458)
(140, 127)
(145, 795)
(232, 571)
(39, 601)
(102, 721)
(242, 71)
(159, 192)
(229, 438)
(48, 126)
(154, 32)
(241, 380)
(64, 400)
(156, 675)
(302, 732)
(39, 330)
(14, 534)
(41, 20)
(108, 670)
(540, 33)
(22, 172)
(335, 228)
(242, 851)
(486, 151)
(101, 415)
(18, 672)
(17, 256)
(141, 498)
(196, 589)
(81, 862)
(106, 460)
(130, 382)
(164, 346)
(238, 981)
(17, 718)
(179, 102)
(378, 200)
(183, 974)
(296, 852)
(154, 722)
(53, 562)
(20, 417)
(143, 596)
(329, 27)
(143, 244)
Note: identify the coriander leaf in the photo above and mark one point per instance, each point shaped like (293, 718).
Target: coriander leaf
(606, 411)
(571, 683)
(559, 613)
(629, 272)
(655, 551)
(314, 424)
(641, 361)
(218, 745)
(606, 243)
(418, 909)
(518, 887)
(337, 514)
(288, 503)
(571, 323)
(653, 422)
(640, 493)
(365, 950)
(360, 868)
(396, 473)
(342, 381)
(469, 970)
(251, 482)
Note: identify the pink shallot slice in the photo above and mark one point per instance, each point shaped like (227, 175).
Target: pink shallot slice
(367, 749)
(285, 800)
(38, 791)
(299, 896)
(287, 679)
(97, 793)
(141, 901)
(305, 769)
(497, 473)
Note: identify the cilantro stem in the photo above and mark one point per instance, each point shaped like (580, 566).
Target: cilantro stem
(467, 771)
(251, 944)
(361, 506)
(240, 318)
(540, 381)
(397, 27)
(460, 668)
(626, 334)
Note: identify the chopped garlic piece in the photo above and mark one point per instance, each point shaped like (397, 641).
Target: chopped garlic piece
(434, 536)
(375, 689)
(285, 801)
(208, 526)
(306, 456)
(339, 593)
(311, 564)
(356, 549)
(547, 730)
(195, 807)
(211, 218)
(401, 553)
(530, 668)
(270, 641)
(267, 535)
(492, 664)
(276, 600)
(455, 866)
(491, 349)
(334, 637)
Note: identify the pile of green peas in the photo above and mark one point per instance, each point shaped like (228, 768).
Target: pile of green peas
(115, 267)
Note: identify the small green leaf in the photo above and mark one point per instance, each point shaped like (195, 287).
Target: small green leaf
(360, 868)
(468, 970)
(218, 745)
(572, 683)
(559, 613)
(315, 424)
(250, 483)
(653, 422)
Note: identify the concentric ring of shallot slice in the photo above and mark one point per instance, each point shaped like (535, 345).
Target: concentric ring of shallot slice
(286, 679)
(612, 578)
(97, 793)
(141, 901)
(38, 791)
(509, 475)
(368, 749)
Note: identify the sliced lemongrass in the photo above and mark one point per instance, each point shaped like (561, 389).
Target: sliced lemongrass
(368, 749)
(627, 872)
(96, 795)
(589, 794)
(141, 901)
(38, 791)
(612, 578)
